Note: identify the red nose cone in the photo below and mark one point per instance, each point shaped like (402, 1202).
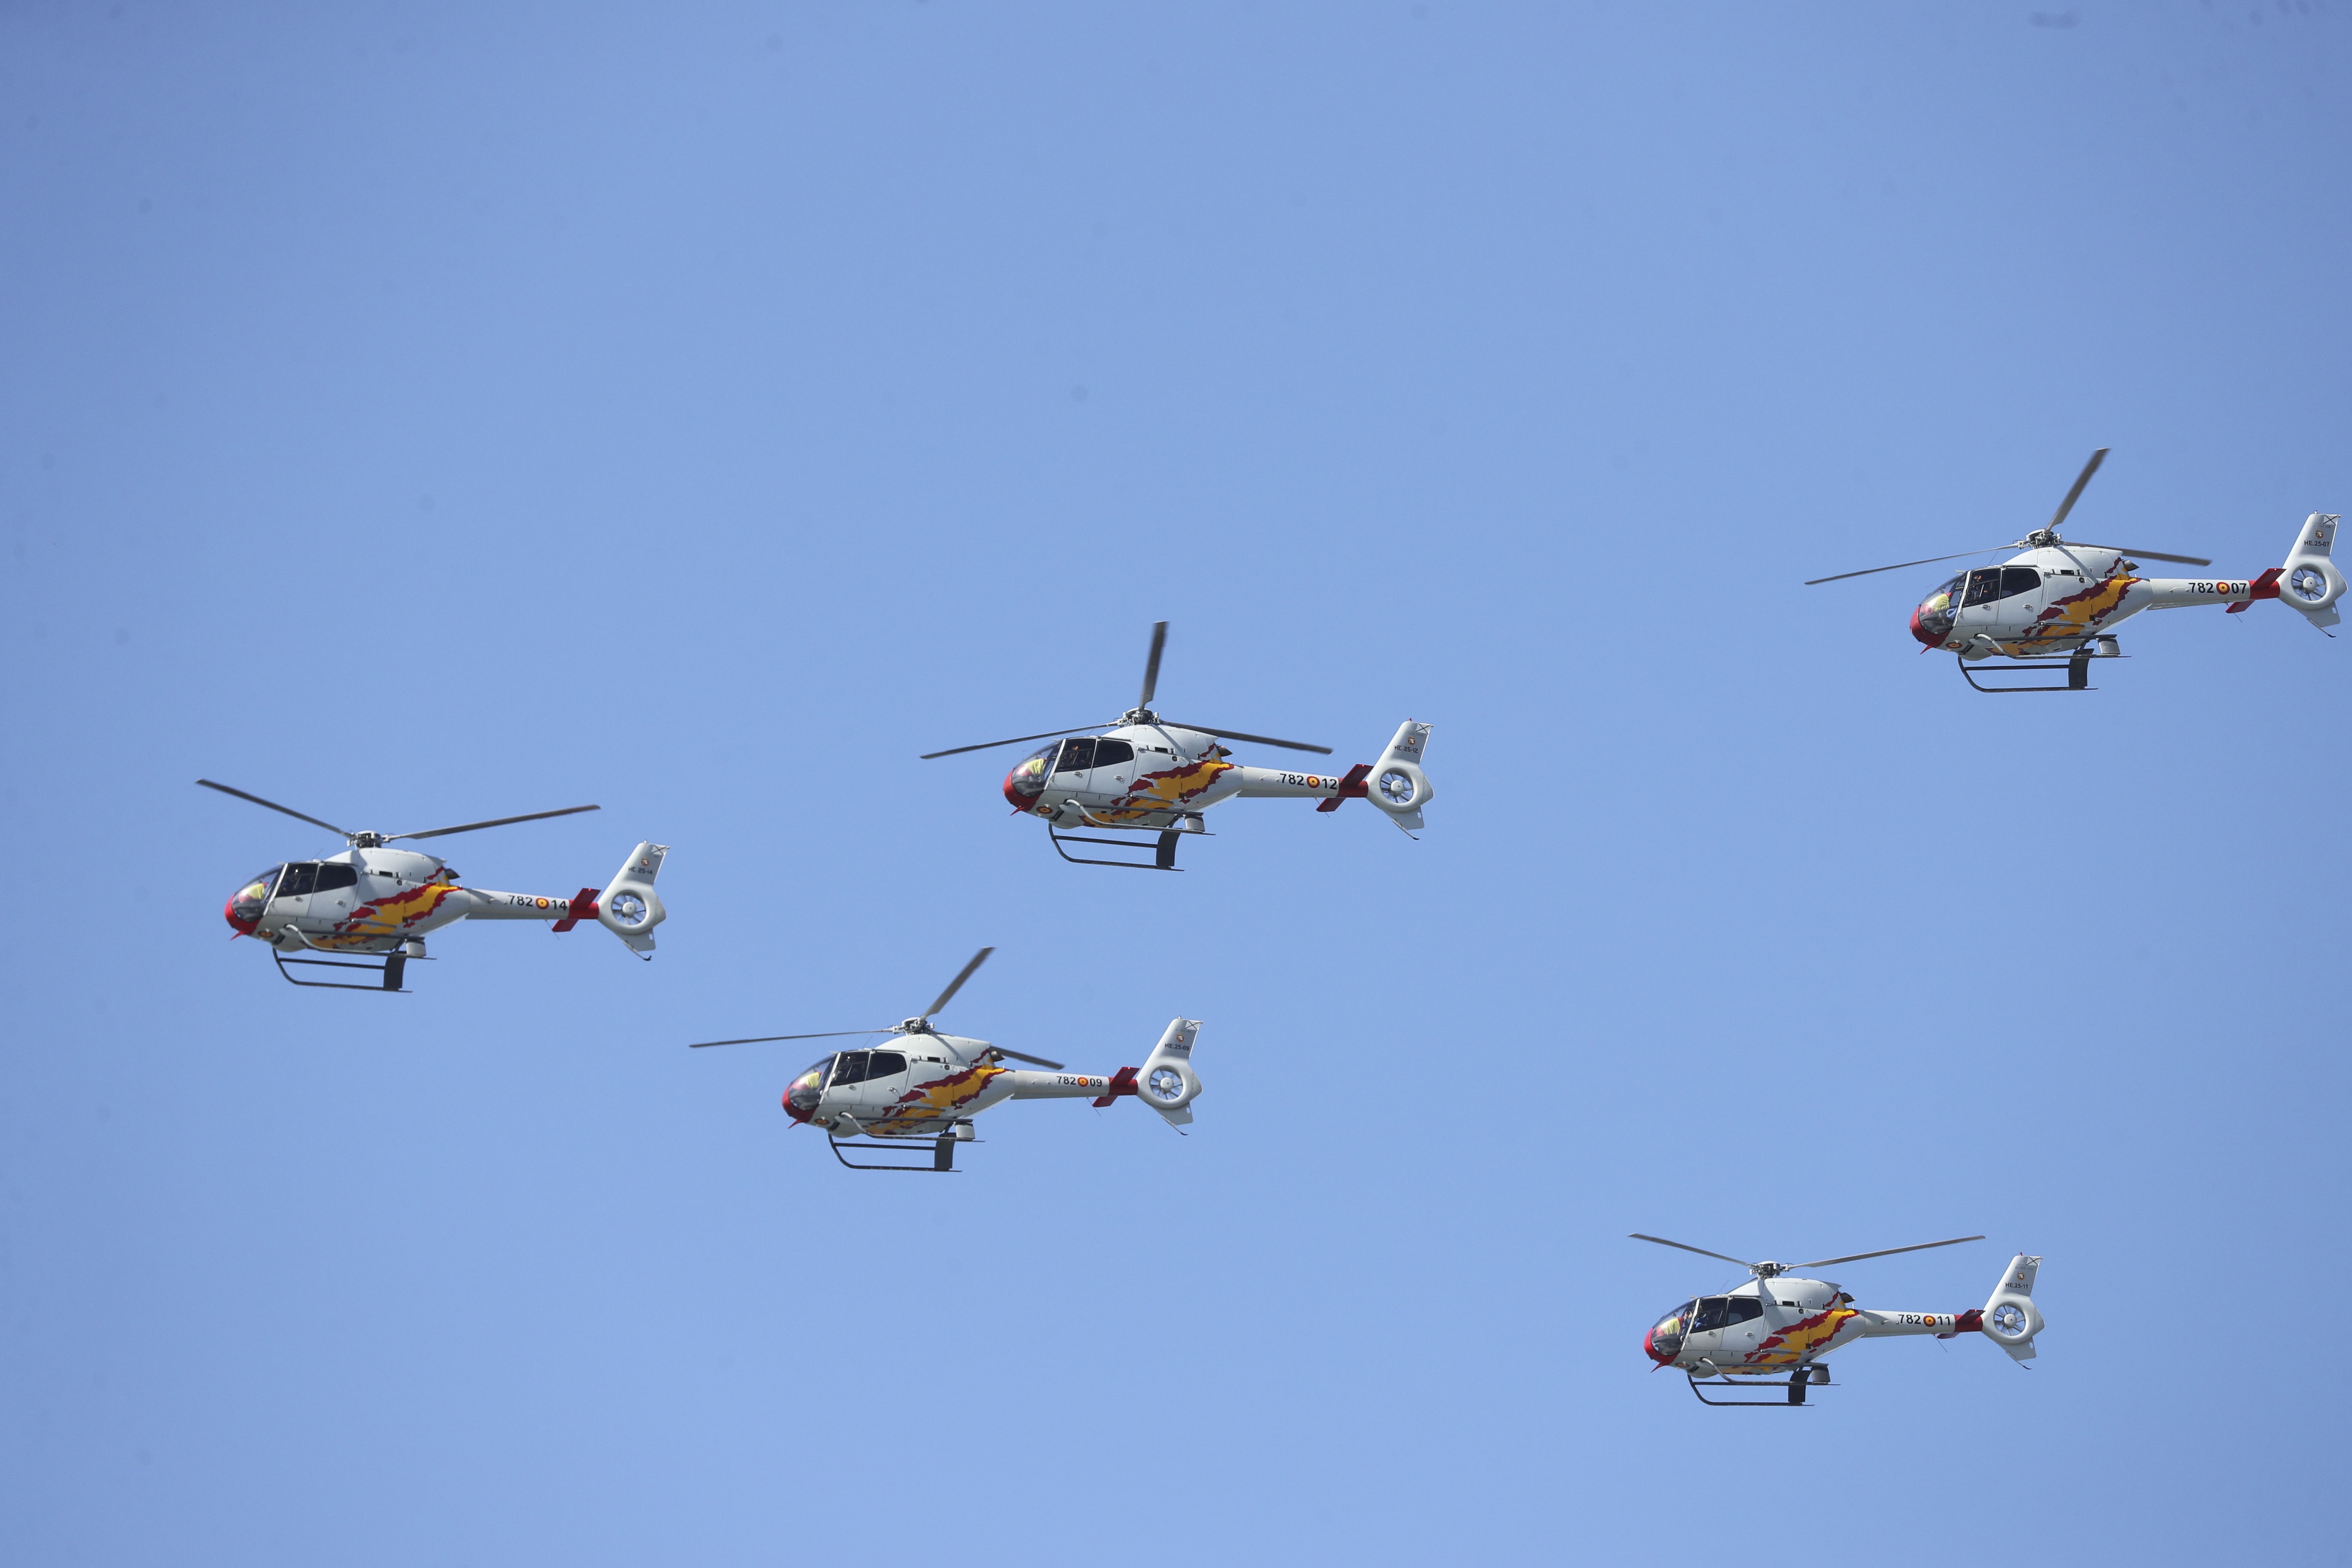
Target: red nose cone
(1927, 638)
(794, 1111)
(1650, 1349)
(228, 914)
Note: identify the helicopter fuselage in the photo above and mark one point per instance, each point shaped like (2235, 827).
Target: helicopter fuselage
(2051, 601)
(370, 900)
(921, 1085)
(1780, 1323)
(1147, 776)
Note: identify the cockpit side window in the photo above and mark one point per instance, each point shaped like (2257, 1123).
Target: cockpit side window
(850, 1068)
(2019, 580)
(1109, 752)
(1077, 755)
(1984, 585)
(301, 876)
(333, 874)
(884, 1064)
(1723, 1311)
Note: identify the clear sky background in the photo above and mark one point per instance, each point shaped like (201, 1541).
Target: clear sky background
(456, 411)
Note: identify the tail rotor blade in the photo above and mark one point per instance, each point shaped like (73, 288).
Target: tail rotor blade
(1151, 665)
(273, 805)
(493, 822)
(991, 745)
(957, 985)
(2077, 493)
(1922, 1246)
(1254, 740)
(1687, 1246)
(2151, 554)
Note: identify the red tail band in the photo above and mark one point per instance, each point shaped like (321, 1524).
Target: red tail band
(583, 907)
(1121, 1082)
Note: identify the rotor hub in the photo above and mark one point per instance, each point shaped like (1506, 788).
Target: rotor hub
(1768, 1270)
(366, 840)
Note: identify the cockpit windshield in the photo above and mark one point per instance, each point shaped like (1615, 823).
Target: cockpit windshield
(1028, 780)
(245, 905)
(1664, 1342)
(807, 1090)
(1934, 619)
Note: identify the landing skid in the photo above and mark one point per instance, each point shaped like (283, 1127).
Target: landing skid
(2077, 669)
(1163, 855)
(393, 967)
(942, 1153)
(1798, 1379)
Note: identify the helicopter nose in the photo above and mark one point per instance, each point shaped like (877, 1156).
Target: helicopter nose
(1650, 1348)
(1927, 638)
(228, 912)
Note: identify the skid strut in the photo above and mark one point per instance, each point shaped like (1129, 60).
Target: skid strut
(1798, 1379)
(394, 968)
(2077, 666)
(942, 1153)
(1163, 853)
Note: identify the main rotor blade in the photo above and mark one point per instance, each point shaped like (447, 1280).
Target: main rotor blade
(1702, 1251)
(1898, 566)
(274, 806)
(990, 745)
(1238, 735)
(493, 822)
(1858, 1257)
(2152, 554)
(957, 983)
(2077, 493)
(762, 1039)
(1019, 1057)
(1151, 665)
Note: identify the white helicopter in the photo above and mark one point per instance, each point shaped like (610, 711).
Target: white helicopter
(1144, 774)
(1777, 1324)
(929, 1086)
(2056, 605)
(379, 902)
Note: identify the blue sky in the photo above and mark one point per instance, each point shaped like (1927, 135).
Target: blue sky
(460, 411)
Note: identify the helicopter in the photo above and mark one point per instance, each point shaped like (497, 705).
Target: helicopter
(2055, 606)
(1145, 775)
(1748, 1337)
(930, 1085)
(375, 901)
